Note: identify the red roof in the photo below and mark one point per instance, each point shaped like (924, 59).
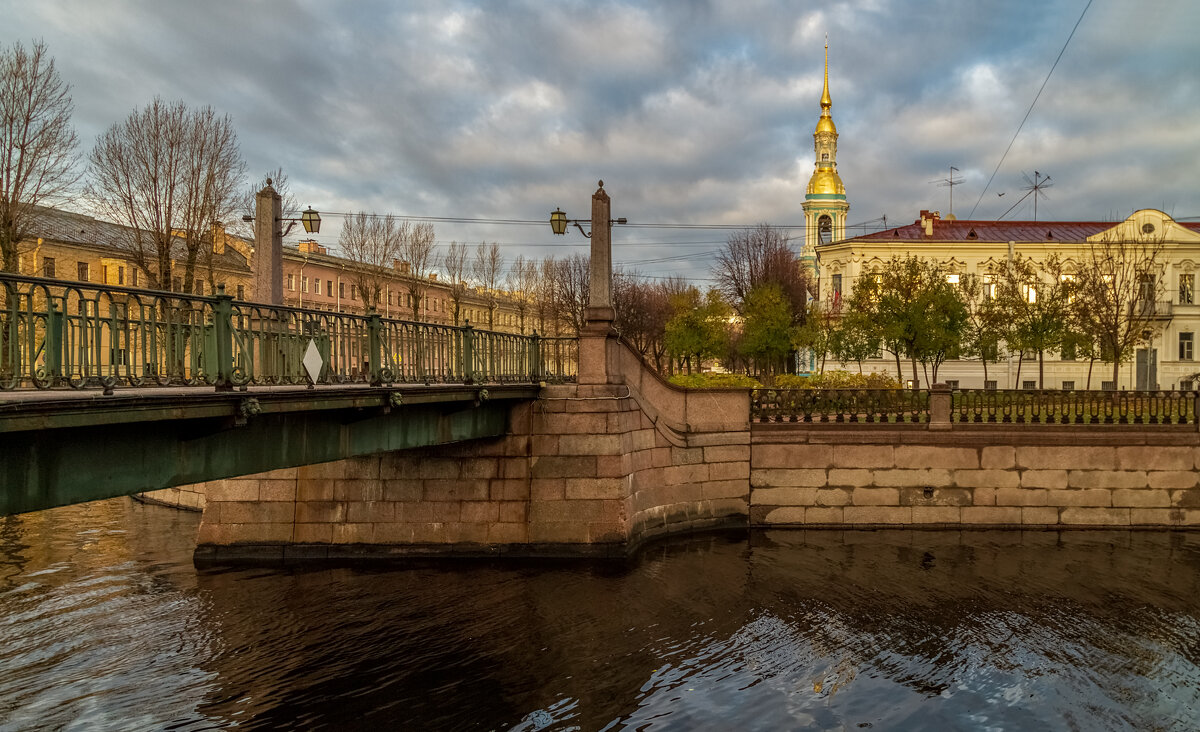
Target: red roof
(1003, 231)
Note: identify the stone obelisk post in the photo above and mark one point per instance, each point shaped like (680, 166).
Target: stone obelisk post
(268, 247)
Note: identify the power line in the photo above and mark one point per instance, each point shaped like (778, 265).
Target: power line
(1028, 111)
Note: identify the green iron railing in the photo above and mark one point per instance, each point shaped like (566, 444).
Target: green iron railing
(55, 333)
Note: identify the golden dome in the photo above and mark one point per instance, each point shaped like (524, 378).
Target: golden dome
(825, 180)
(825, 124)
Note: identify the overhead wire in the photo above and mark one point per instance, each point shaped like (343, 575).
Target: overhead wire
(1030, 110)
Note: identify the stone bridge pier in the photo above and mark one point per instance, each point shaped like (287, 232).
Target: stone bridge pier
(591, 468)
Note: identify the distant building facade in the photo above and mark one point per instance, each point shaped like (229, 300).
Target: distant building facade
(1168, 361)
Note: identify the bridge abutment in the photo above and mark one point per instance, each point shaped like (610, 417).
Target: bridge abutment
(587, 469)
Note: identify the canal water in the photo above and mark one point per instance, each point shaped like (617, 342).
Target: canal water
(105, 624)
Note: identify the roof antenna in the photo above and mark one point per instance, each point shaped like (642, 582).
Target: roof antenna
(950, 183)
(1036, 187)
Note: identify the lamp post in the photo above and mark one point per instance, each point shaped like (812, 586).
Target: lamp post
(268, 242)
(599, 314)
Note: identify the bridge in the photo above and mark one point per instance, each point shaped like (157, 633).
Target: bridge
(106, 391)
(422, 439)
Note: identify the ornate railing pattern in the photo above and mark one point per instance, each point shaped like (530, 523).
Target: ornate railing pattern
(57, 333)
(885, 406)
(1073, 407)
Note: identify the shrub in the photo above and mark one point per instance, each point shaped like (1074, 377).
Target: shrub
(714, 381)
(836, 379)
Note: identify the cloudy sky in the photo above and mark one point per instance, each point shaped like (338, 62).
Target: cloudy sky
(692, 112)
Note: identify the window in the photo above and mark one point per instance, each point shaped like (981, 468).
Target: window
(837, 287)
(1068, 386)
(133, 276)
(824, 229)
(1068, 351)
(1108, 386)
(1029, 384)
(989, 385)
(952, 279)
(1185, 347)
(47, 266)
(177, 284)
(353, 292)
(198, 287)
(241, 292)
(1029, 291)
(952, 383)
(824, 156)
(303, 284)
(83, 271)
(989, 287)
(1146, 288)
(292, 282)
(991, 351)
(1185, 385)
(1187, 289)
(120, 275)
(341, 289)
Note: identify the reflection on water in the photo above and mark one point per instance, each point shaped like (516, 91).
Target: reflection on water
(107, 625)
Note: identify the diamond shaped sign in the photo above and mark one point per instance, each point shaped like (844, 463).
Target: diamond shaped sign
(313, 361)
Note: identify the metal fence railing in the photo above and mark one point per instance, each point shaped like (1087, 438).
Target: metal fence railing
(56, 333)
(974, 406)
(1046, 406)
(889, 406)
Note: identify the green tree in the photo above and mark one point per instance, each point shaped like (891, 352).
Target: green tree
(854, 338)
(919, 313)
(1035, 301)
(984, 328)
(767, 329)
(698, 329)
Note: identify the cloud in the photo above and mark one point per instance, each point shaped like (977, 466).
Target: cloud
(692, 112)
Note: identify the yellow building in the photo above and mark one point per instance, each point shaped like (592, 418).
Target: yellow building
(1167, 361)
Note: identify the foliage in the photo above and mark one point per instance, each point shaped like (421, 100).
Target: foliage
(37, 144)
(1034, 301)
(817, 332)
(986, 319)
(714, 381)
(767, 328)
(697, 329)
(643, 308)
(758, 256)
(838, 379)
(854, 338)
(918, 313)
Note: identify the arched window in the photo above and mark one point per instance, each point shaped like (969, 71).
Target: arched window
(824, 229)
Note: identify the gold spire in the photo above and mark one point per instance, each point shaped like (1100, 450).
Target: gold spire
(826, 102)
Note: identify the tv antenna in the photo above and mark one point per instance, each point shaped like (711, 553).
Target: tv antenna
(950, 182)
(1036, 187)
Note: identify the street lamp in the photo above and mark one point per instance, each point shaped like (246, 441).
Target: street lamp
(309, 218)
(599, 313)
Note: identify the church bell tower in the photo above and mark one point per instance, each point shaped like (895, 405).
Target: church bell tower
(825, 204)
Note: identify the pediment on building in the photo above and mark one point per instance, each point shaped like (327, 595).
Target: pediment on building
(1148, 225)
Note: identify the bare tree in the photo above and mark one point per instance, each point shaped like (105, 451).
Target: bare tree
(571, 288)
(485, 269)
(372, 243)
(168, 172)
(1117, 289)
(643, 310)
(454, 264)
(546, 296)
(248, 202)
(37, 144)
(757, 256)
(522, 284)
(416, 251)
